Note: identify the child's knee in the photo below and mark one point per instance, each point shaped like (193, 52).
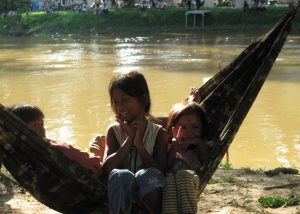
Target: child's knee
(121, 175)
(148, 180)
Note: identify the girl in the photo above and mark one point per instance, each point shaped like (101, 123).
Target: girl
(188, 128)
(135, 152)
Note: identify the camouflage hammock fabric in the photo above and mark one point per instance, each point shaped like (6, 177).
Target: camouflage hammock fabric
(66, 187)
(45, 172)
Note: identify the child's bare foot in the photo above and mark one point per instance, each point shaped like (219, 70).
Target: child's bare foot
(97, 145)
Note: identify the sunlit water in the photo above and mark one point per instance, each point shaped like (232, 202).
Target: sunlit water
(68, 76)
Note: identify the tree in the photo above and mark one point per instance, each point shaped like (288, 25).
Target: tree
(14, 5)
(129, 3)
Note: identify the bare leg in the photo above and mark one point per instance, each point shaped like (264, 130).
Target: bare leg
(153, 201)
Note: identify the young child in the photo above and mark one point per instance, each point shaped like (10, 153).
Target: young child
(188, 128)
(135, 152)
(34, 117)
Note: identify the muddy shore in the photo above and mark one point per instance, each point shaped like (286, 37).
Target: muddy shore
(229, 191)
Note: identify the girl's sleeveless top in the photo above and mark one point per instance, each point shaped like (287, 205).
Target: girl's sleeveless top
(133, 161)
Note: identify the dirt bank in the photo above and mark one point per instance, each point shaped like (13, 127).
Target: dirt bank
(229, 191)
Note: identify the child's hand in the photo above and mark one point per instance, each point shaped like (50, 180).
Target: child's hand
(191, 142)
(177, 145)
(97, 146)
(182, 140)
(128, 128)
(194, 95)
(210, 143)
(140, 127)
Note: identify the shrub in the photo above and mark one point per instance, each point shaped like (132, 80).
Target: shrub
(277, 201)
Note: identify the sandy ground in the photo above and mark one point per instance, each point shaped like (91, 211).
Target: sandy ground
(230, 191)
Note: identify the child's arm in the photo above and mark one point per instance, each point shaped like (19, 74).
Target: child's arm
(115, 155)
(159, 158)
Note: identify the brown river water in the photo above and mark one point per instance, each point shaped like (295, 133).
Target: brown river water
(68, 77)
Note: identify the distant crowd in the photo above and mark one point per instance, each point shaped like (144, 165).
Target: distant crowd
(99, 6)
(76, 6)
(259, 5)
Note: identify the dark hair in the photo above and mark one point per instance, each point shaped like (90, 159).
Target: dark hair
(134, 84)
(181, 109)
(27, 113)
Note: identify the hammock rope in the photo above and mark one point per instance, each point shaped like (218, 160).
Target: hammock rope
(65, 186)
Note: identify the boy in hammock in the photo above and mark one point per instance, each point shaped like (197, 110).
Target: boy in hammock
(34, 118)
(188, 128)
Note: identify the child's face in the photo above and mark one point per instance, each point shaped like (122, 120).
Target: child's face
(187, 126)
(127, 108)
(38, 127)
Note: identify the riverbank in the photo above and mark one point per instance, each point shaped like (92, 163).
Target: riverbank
(229, 191)
(132, 20)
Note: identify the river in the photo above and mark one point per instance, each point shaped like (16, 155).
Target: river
(68, 77)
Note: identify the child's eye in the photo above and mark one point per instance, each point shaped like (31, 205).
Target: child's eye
(125, 100)
(114, 103)
(121, 102)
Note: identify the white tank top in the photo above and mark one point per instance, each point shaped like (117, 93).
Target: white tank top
(133, 161)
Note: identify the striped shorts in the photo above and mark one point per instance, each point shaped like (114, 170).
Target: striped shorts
(181, 192)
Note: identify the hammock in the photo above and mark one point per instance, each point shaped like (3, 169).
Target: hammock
(65, 186)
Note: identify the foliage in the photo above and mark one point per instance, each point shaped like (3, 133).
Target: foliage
(227, 179)
(14, 5)
(212, 181)
(129, 3)
(226, 165)
(277, 201)
(131, 20)
(249, 171)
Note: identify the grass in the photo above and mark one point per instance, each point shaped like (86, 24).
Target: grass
(277, 201)
(212, 181)
(227, 179)
(249, 171)
(226, 165)
(133, 20)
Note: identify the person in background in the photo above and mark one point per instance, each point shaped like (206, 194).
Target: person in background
(245, 6)
(97, 9)
(34, 118)
(189, 4)
(198, 4)
(136, 148)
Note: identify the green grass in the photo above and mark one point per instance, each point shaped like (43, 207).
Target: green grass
(227, 179)
(277, 201)
(133, 20)
(249, 171)
(226, 165)
(212, 181)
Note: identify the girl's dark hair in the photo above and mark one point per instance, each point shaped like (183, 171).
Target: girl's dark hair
(27, 113)
(182, 109)
(134, 84)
